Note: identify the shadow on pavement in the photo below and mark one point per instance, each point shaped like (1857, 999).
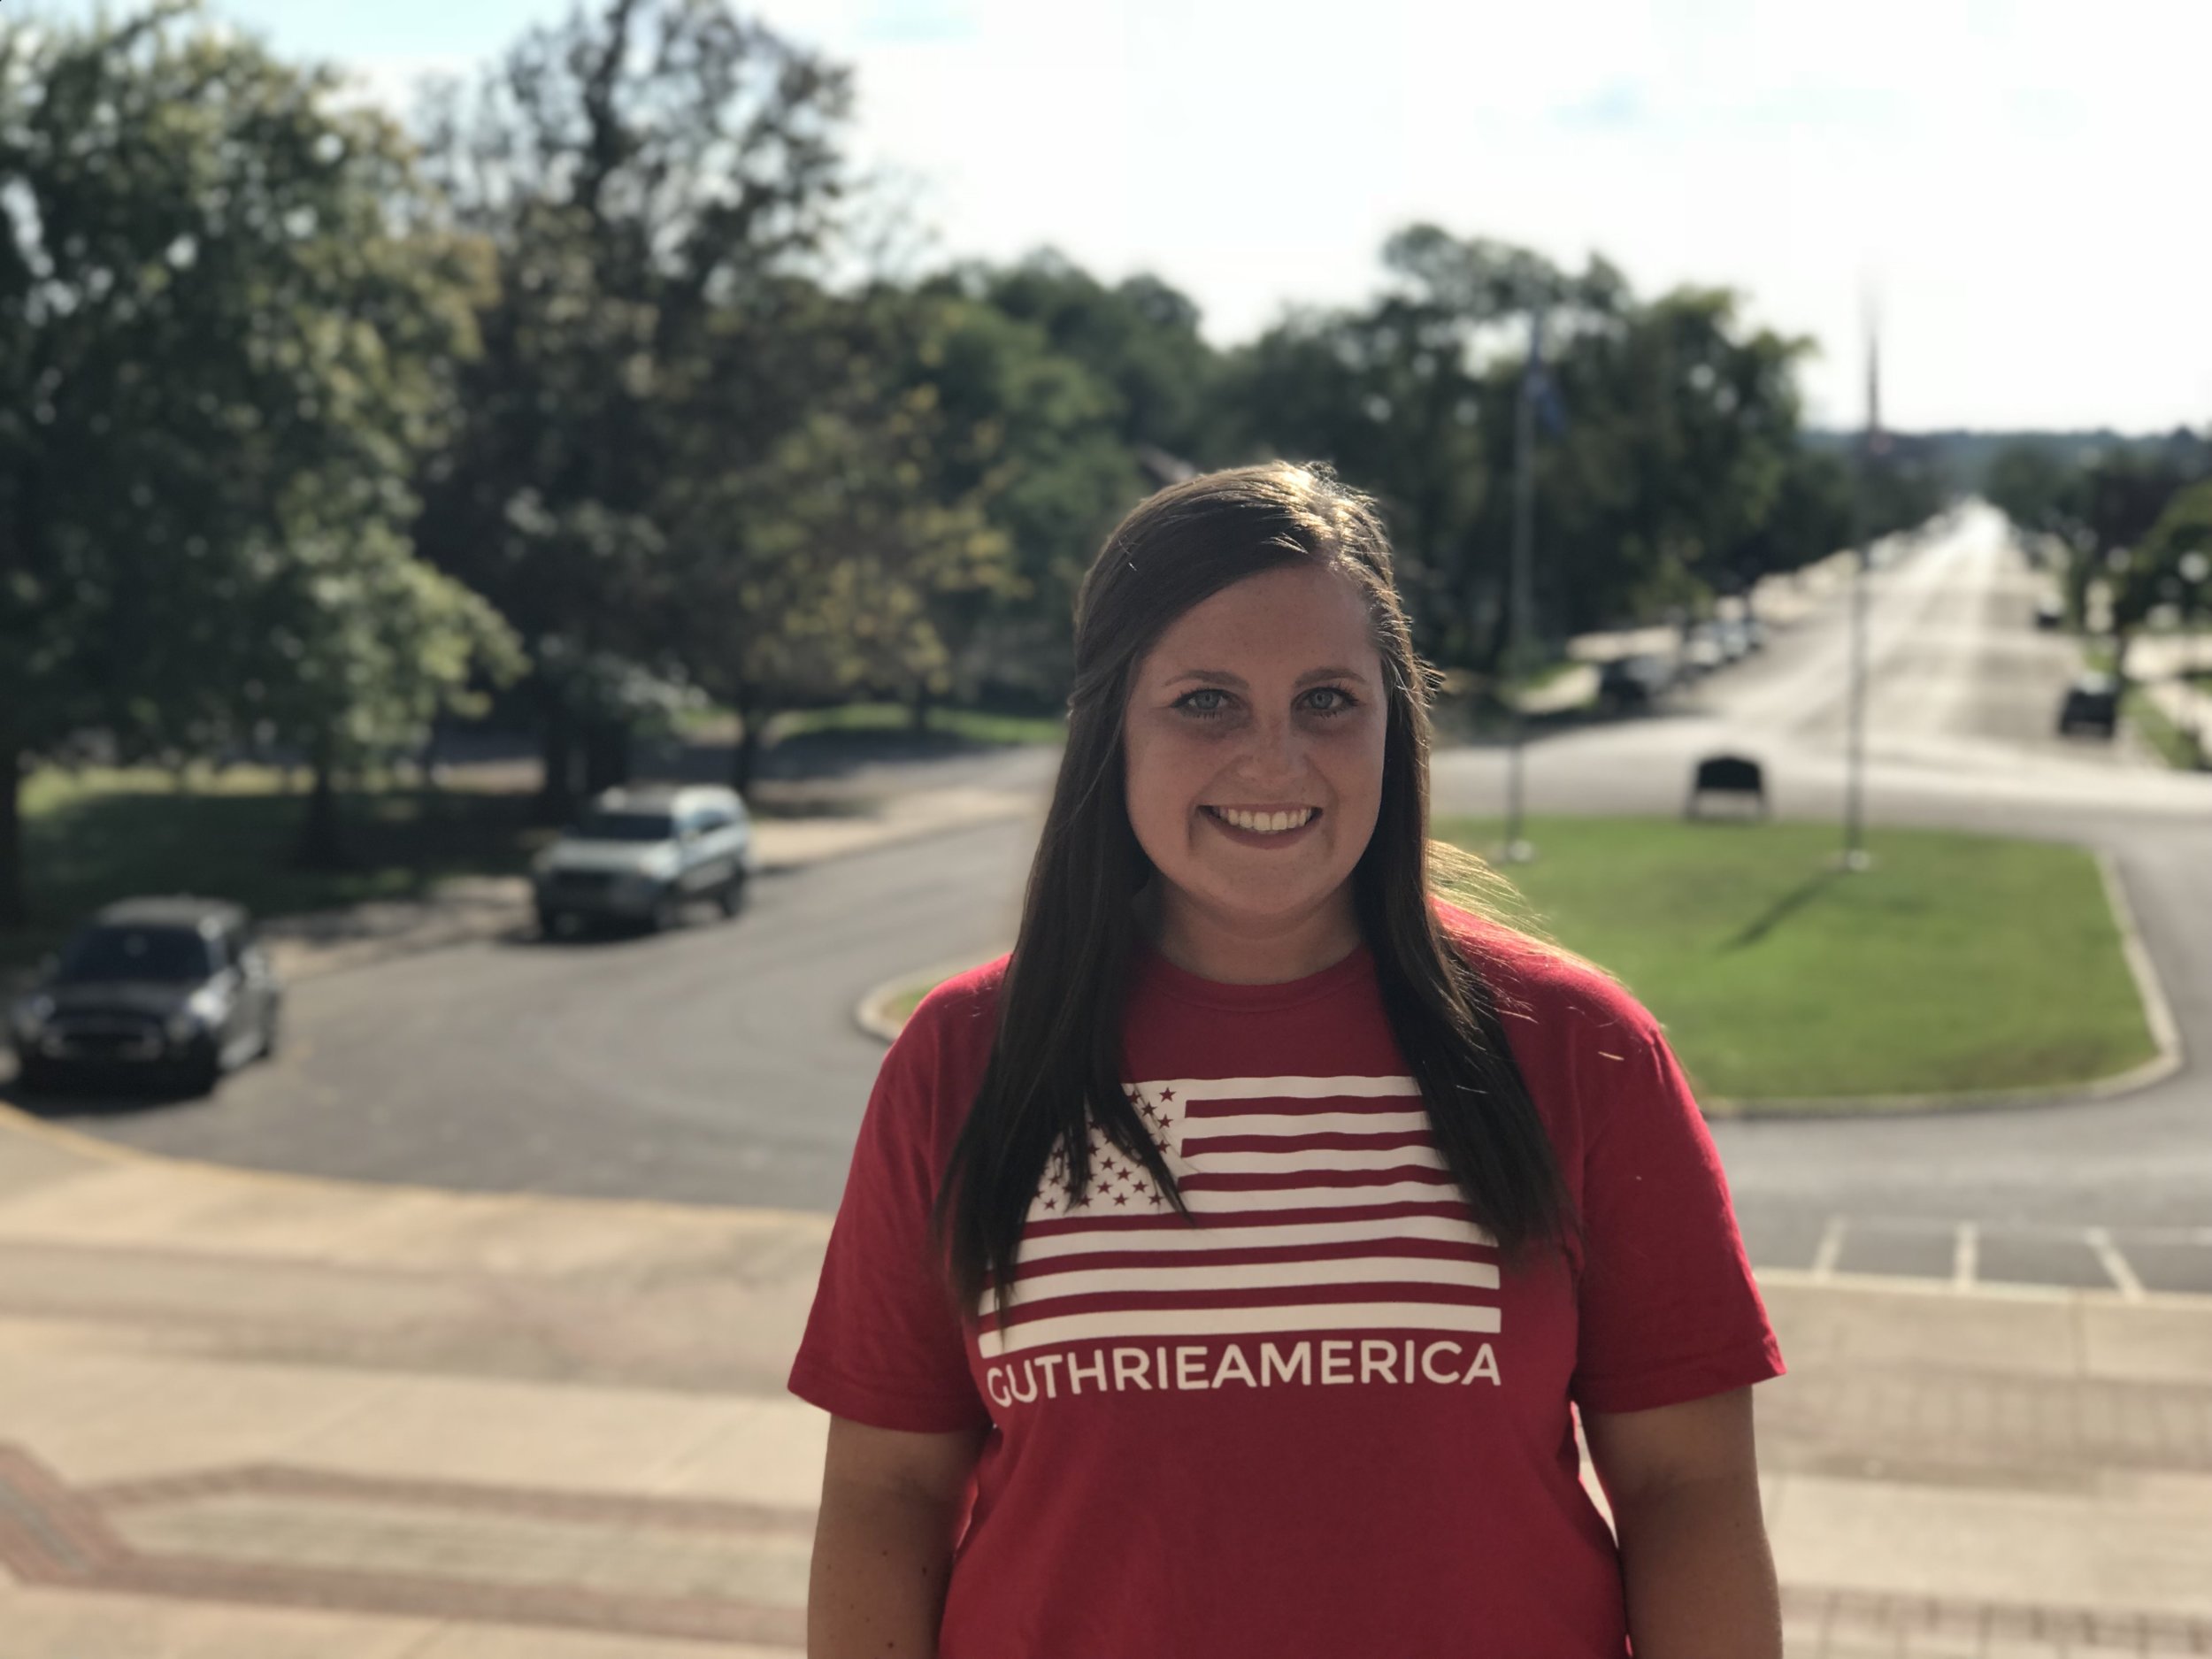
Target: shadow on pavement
(101, 1097)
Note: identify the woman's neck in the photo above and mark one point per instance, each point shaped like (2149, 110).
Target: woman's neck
(1232, 950)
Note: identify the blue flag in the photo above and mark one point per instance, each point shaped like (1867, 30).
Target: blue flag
(1537, 383)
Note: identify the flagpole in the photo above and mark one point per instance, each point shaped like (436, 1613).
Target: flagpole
(1855, 856)
(1518, 849)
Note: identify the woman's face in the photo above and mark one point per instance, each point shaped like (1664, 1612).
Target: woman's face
(1266, 699)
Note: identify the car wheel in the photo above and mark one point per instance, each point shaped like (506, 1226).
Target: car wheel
(551, 922)
(731, 896)
(34, 1076)
(204, 1070)
(267, 1051)
(668, 910)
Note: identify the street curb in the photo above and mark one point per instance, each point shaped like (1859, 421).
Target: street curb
(2157, 1015)
(1802, 1278)
(872, 1013)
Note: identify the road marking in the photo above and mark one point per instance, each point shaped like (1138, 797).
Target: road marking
(1831, 1247)
(1965, 1255)
(2114, 1264)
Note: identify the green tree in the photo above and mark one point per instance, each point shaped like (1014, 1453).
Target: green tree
(2033, 485)
(1036, 439)
(2102, 508)
(1400, 396)
(655, 175)
(2170, 565)
(216, 285)
(1682, 472)
(818, 571)
(366, 646)
(1679, 471)
(1137, 338)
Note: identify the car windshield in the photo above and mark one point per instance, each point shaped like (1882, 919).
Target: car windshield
(625, 826)
(165, 956)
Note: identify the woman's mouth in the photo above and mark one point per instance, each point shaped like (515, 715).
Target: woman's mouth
(1263, 827)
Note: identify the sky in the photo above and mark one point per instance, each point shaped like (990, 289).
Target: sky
(2015, 189)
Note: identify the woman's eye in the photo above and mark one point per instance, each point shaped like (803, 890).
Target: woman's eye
(1338, 700)
(1204, 702)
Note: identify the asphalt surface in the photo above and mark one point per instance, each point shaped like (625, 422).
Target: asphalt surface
(716, 1065)
(720, 1065)
(1960, 733)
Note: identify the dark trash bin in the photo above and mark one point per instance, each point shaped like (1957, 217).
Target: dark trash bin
(1736, 777)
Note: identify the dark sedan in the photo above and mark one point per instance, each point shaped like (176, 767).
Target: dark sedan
(1633, 683)
(2092, 703)
(174, 990)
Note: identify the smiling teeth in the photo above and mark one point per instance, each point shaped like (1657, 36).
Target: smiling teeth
(1266, 823)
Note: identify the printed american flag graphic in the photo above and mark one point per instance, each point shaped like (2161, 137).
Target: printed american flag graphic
(1320, 1204)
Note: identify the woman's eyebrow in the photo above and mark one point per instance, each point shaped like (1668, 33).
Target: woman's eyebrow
(1221, 678)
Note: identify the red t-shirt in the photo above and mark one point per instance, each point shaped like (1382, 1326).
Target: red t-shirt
(1322, 1421)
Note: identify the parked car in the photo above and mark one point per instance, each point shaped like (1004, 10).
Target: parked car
(174, 988)
(643, 855)
(2049, 614)
(1632, 683)
(1702, 651)
(2092, 701)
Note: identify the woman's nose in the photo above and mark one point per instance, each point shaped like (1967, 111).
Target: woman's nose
(1277, 750)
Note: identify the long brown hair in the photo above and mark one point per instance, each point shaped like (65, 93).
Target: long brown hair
(1055, 1064)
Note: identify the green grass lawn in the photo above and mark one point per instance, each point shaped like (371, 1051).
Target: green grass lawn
(2177, 747)
(1956, 964)
(99, 835)
(973, 725)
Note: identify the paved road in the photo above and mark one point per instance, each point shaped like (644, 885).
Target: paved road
(717, 1065)
(1959, 734)
(720, 1065)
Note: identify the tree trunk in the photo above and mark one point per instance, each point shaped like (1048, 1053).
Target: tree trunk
(606, 756)
(321, 845)
(752, 718)
(14, 912)
(427, 761)
(556, 785)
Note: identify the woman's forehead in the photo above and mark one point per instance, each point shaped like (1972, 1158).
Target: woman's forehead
(1296, 617)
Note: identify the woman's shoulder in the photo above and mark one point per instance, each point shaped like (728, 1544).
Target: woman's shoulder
(930, 1074)
(1543, 984)
(959, 1010)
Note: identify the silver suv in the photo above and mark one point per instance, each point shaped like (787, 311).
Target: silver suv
(643, 855)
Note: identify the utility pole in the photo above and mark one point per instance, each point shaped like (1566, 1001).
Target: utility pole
(1521, 597)
(1856, 857)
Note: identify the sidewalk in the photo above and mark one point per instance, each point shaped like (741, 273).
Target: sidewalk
(247, 1416)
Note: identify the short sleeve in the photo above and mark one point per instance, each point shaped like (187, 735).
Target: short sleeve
(1669, 1309)
(884, 1345)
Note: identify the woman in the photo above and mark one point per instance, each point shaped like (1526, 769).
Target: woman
(1221, 1273)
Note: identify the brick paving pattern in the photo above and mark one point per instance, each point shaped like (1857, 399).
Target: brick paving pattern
(76, 1538)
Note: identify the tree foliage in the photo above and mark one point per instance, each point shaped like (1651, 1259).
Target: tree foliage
(2124, 515)
(1679, 470)
(595, 347)
(223, 331)
(653, 176)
